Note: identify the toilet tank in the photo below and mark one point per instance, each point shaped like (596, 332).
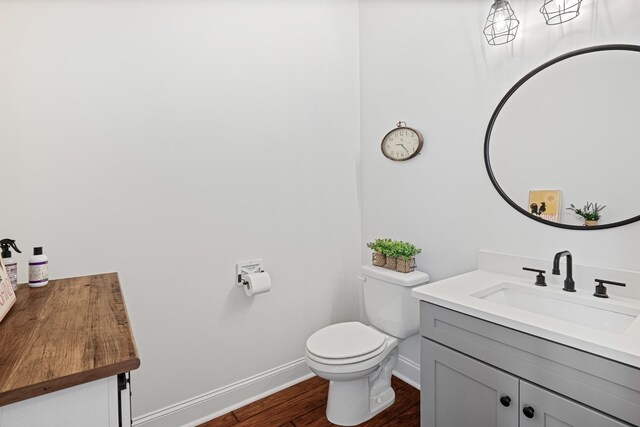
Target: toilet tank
(388, 301)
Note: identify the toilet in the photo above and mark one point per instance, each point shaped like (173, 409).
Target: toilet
(358, 359)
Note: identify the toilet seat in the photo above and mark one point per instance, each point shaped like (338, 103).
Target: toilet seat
(345, 343)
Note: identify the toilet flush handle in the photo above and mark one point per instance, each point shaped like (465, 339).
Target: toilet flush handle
(362, 278)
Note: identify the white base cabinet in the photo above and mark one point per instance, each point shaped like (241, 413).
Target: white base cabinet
(100, 403)
(480, 374)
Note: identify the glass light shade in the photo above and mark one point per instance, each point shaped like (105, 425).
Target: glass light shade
(560, 11)
(502, 25)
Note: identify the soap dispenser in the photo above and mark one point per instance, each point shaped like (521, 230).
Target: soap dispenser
(38, 268)
(10, 263)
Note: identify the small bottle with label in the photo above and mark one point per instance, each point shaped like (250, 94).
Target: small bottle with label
(38, 268)
(10, 263)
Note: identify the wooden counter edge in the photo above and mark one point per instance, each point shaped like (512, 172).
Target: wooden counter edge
(62, 383)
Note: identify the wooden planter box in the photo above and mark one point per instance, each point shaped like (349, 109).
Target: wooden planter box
(397, 264)
(391, 263)
(406, 266)
(378, 259)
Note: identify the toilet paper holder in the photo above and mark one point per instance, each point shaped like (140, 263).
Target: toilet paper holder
(247, 267)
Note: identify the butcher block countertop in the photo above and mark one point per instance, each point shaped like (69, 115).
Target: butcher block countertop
(69, 332)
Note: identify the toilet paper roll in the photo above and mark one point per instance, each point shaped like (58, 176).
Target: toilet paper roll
(257, 283)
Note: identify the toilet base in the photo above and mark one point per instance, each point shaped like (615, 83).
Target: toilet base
(349, 404)
(353, 402)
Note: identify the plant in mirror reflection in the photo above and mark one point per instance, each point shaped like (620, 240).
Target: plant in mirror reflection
(590, 211)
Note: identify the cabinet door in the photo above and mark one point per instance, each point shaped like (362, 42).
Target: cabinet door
(460, 391)
(93, 404)
(552, 410)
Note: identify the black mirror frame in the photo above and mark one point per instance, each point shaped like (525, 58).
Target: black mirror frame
(503, 101)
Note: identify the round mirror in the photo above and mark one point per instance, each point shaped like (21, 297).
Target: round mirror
(568, 133)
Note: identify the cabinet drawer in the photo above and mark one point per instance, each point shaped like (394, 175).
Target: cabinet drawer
(606, 385)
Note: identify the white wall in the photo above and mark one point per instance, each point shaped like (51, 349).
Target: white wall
(167, 140)
(428, 64)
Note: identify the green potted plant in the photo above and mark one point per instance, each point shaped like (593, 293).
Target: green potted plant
(379, 248)
(394, 254)
(590, 212)
(405, 253)
(389, 250)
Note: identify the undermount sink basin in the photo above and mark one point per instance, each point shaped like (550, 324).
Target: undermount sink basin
(597, 314)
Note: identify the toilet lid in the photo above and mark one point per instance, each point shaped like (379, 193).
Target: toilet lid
(345, 340)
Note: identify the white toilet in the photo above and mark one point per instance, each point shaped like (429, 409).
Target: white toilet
(358, 359)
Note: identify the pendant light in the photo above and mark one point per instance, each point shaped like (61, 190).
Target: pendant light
(560, 11)
(502, 24)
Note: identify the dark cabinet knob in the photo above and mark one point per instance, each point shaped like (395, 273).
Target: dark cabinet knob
(506, 401)
(528, 411)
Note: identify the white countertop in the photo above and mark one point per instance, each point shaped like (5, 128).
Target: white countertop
(456, 293)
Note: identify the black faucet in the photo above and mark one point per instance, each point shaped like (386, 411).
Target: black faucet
(569, 284)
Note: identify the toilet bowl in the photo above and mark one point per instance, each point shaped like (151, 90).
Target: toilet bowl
(358, 361)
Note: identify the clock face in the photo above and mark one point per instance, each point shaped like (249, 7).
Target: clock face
(402, 144)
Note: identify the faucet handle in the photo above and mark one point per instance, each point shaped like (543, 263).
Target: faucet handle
(540, 279)
(601, 290)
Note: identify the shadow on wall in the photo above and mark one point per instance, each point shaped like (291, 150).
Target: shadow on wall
(347, 298)
(237, 303)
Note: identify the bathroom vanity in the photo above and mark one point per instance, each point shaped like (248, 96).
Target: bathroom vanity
(498, 351)
(66, 351)
(503, 348)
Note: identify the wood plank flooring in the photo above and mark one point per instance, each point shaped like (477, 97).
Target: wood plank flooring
(304, 405)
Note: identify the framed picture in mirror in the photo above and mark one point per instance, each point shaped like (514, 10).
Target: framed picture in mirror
(545, 204)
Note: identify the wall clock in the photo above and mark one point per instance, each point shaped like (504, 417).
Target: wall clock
(402, 143)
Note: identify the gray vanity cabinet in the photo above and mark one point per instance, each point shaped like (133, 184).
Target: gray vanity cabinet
(461, 391)
(481, 374)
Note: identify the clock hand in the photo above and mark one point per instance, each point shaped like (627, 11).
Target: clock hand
(402, 145)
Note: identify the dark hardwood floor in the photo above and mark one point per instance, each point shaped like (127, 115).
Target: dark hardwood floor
(304, 405)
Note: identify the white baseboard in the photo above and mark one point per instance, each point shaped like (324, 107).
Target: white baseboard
(199, 409)
(408, 371)
(207, 406)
